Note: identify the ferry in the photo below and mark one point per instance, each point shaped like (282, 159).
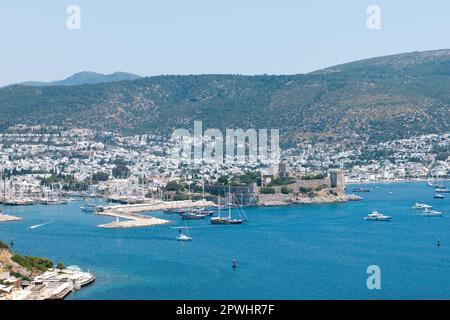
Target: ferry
(376, 216)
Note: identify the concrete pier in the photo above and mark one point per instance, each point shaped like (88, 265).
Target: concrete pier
(134, 220)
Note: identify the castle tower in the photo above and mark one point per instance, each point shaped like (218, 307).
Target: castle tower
(337, 181)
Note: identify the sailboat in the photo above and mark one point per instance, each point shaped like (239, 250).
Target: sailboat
(184, 236)
(227, 220)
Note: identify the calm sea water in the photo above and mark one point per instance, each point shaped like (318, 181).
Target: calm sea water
(297, 252)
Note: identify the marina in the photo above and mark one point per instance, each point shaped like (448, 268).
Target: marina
(283, 248)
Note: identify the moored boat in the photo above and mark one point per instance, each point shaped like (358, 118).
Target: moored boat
(376, 216)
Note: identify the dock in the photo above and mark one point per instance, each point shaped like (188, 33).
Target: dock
(133, 219)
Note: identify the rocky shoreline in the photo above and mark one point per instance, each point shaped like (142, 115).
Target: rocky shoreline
(325, 199)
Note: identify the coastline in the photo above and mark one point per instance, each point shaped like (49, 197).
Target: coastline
(8, 218)
(393, 181)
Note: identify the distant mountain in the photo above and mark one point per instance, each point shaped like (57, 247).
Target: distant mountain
(85, 77)
(371, 100)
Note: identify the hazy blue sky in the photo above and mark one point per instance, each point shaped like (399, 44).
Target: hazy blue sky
(152, 37)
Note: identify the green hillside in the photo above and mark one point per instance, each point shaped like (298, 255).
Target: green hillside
(375, 99)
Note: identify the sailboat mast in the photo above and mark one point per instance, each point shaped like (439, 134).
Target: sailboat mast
(229, 202)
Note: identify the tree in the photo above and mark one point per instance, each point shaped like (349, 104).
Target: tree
(223, 180)
(267, 190)
(99, 176)
(285, 190)
(121, 171)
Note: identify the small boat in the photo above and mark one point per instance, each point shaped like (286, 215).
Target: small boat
(53, 201)
(438, 196)
(442, 190)
(422, 206)
(376, 216)
(171, 211)
(203, 211)
(192, 216)
(431, 213)
(361, 190)
(90, 207)
(184, 236)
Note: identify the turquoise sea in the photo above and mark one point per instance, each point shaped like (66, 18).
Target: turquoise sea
(296, 252)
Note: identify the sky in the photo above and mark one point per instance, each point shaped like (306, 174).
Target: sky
(154, 37)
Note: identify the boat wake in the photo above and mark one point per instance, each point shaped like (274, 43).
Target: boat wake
(40, 225)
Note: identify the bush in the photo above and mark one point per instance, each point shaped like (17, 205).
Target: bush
(281, 181)
(285, 190)
(60, 266)
(304, 190)
(267, 190)
(174, 186)
(33, 263)
(314, 177)
(4, 246)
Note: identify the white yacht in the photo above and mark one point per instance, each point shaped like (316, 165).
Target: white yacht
(376, 216)
(422, 206)
(431, 213)
(184, 237)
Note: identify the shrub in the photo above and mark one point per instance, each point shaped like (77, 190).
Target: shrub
(267, 190)
(32, 263)
(285, 190)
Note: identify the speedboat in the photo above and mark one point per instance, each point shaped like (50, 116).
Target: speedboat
(439, 196)
(422, 206)
(431, 213)
(376, 216)
(184, 237)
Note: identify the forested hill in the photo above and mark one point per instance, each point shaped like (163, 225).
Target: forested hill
(375, 99)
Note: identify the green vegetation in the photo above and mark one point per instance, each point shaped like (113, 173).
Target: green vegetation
(180, 197)
(442, 156)
(285, 190)
(281, 181)
(406, 94)
(33, 263)
(267, 190)
(4, 246)
(19, 276)
(175, 186)
(305, 190)
(99, 176)
(223, 180)
(314, 176)
(60, 266)
(246, 179)
(121, 171)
